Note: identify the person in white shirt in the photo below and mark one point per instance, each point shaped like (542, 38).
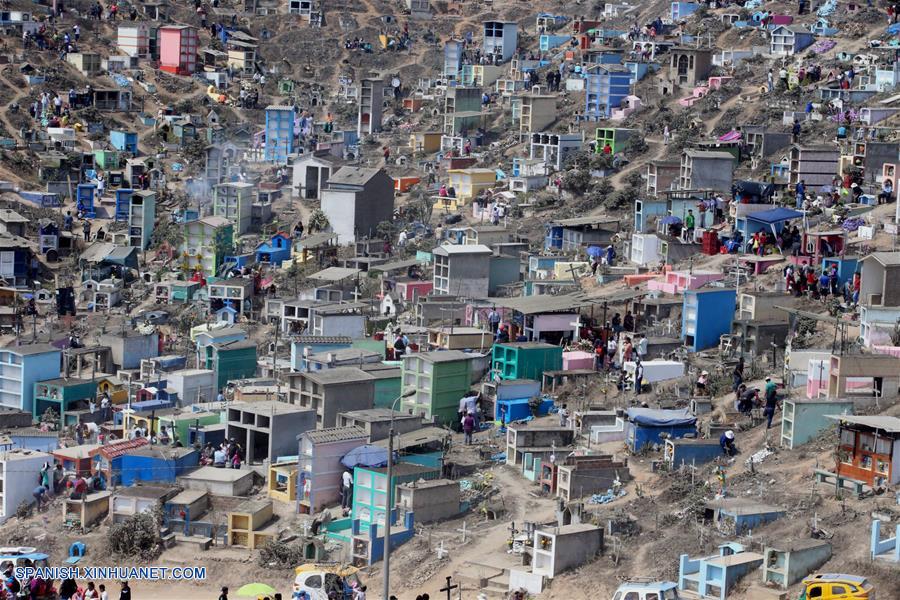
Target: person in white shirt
(346, 489)
(611, 347)
(641, 346)
(104, 595)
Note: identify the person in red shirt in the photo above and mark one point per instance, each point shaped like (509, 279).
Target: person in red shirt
(79, 488)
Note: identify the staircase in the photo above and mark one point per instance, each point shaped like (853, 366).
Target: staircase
(493, 582)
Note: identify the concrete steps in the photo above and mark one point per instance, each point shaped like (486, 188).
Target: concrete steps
(498, 584)
(203, 543)
(493, 581)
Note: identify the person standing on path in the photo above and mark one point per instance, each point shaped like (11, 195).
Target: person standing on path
(468, 425)
(771, 401)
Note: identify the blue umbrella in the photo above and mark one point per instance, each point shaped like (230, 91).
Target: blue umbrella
(594, 251)
(366, 456)
(670, 220)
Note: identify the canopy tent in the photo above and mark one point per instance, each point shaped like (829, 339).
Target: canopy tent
(774, 215)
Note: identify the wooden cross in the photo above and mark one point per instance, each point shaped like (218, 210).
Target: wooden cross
(448, 588)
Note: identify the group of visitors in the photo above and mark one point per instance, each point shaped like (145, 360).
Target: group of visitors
(54, 481)
(69, 589)
(470, 415)
(820, 283)
(228, 454)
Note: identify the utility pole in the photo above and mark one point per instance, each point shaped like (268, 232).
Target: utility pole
(388, 511)
(275, 365)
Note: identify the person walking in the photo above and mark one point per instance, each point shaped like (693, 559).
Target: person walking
(125, 592)
(771, 401)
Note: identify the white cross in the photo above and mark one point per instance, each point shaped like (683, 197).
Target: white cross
(463, 532)
(441, 551)
(577, 325)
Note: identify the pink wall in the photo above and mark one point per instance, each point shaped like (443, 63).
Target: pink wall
(406, 288)
(325, 485)
(169, 47)
(577, 360)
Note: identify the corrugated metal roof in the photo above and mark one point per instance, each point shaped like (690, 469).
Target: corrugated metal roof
(426, 435)
(888, 259)
(321, 339)
(338, 375)
(888, 424)
(335, 274)
(352, 176)
(334, 434)
(542, 303)
(118, 448)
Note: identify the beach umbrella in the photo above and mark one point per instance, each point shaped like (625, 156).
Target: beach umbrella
(365, 456)
(256, 589)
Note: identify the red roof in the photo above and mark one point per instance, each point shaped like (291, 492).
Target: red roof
(118, 448)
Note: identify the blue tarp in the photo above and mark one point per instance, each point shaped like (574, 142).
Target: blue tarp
(366, 456)
(661, 418)
(774, 215)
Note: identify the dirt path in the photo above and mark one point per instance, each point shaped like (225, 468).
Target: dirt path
(488, 546)
(21, 94)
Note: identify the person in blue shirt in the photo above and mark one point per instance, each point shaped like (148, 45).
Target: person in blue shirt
(824, 285)
(801, 193)
(40, 496)
(727, 443)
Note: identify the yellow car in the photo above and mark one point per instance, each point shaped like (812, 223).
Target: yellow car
(835, 586)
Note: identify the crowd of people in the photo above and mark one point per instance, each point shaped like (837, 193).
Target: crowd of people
(820, 282)
(35, 588)
(229, 454)
(53, 481)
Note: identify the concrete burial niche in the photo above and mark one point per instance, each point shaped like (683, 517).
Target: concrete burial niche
(220, 482)
(558, 549)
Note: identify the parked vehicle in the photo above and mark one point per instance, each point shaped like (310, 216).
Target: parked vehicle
(836, 586)
(653, 590)
(321, 582)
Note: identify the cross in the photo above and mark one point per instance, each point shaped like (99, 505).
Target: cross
(463, 532)
(448, 588)
(441, 551)
(577, 325)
